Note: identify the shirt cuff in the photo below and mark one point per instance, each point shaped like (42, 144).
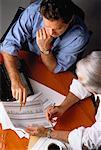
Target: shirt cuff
(10, 50)
(79, 90)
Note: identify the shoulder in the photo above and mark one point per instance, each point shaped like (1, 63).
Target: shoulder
(31, 14)
(77, 30)
(78, 25)
(33, 8)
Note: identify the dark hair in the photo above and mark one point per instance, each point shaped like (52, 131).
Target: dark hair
(57, 9)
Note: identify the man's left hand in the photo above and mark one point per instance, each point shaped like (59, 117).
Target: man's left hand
(36, 130)
(43, 39)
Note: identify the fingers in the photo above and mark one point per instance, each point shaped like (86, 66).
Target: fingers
(36, 130)
(20, 93)
(51, 113)
(32, 130)
(43, 39)
(17, 95)
(41, 34)
(24, 96)
(14, 93)
(44, 33)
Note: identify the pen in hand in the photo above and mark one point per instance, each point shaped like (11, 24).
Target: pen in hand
(53, 105)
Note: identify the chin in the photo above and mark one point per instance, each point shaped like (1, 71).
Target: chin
(55, 36)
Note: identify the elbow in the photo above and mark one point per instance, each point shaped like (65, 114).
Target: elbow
(52, 69)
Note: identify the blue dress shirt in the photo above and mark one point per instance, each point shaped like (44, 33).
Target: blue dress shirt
(65, 48)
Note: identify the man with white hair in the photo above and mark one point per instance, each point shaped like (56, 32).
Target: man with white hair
(89, 81)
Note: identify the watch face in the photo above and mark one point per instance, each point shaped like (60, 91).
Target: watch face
(46, 52)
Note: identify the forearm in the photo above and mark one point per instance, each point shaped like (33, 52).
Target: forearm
(70, 100)
(49, 61)
(11, 66)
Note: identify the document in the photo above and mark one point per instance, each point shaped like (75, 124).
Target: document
(7, 123)
(48, 93)
(33, 113)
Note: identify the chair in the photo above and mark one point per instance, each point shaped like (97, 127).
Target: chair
(78, 11)
(19, 11)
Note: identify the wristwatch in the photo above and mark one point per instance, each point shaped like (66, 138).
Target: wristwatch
(49, 133)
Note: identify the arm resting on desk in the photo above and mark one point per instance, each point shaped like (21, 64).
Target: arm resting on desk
(49, 60)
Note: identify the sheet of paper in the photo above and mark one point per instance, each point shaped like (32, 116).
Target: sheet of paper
(7, 124)
(49, 93)
(32, 113)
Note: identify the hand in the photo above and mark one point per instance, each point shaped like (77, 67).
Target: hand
(36, 130)
(53, 112)
(19, 91)
(43, 39)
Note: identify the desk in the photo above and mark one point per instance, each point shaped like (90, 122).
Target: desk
(81, 113)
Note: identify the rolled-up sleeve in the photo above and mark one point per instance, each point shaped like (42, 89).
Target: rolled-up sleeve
(17, 34)
(79, 90)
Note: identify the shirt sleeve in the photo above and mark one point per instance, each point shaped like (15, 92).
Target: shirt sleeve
(90, 137)
(70, 47)
(18, 33)
(79, 90)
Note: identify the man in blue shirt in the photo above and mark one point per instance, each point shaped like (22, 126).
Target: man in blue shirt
(53, 31)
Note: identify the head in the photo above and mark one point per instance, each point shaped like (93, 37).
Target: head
(57, 15)
(89, 72)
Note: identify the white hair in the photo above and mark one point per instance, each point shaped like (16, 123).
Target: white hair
(92, 69)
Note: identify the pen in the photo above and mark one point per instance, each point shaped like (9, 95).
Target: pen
(53, 105)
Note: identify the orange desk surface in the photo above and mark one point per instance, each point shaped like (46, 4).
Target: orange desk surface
(81, 113)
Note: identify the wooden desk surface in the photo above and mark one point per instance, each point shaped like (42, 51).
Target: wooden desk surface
(81, 113)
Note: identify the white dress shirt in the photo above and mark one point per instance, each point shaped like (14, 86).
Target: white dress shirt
(90, 136)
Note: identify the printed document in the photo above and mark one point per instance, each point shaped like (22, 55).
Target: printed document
(33, 113)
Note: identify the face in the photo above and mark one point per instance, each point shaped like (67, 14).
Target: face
(55, 28)
(82, 77)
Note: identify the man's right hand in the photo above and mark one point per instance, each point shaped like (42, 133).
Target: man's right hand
(19, 91)
(54, 112)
